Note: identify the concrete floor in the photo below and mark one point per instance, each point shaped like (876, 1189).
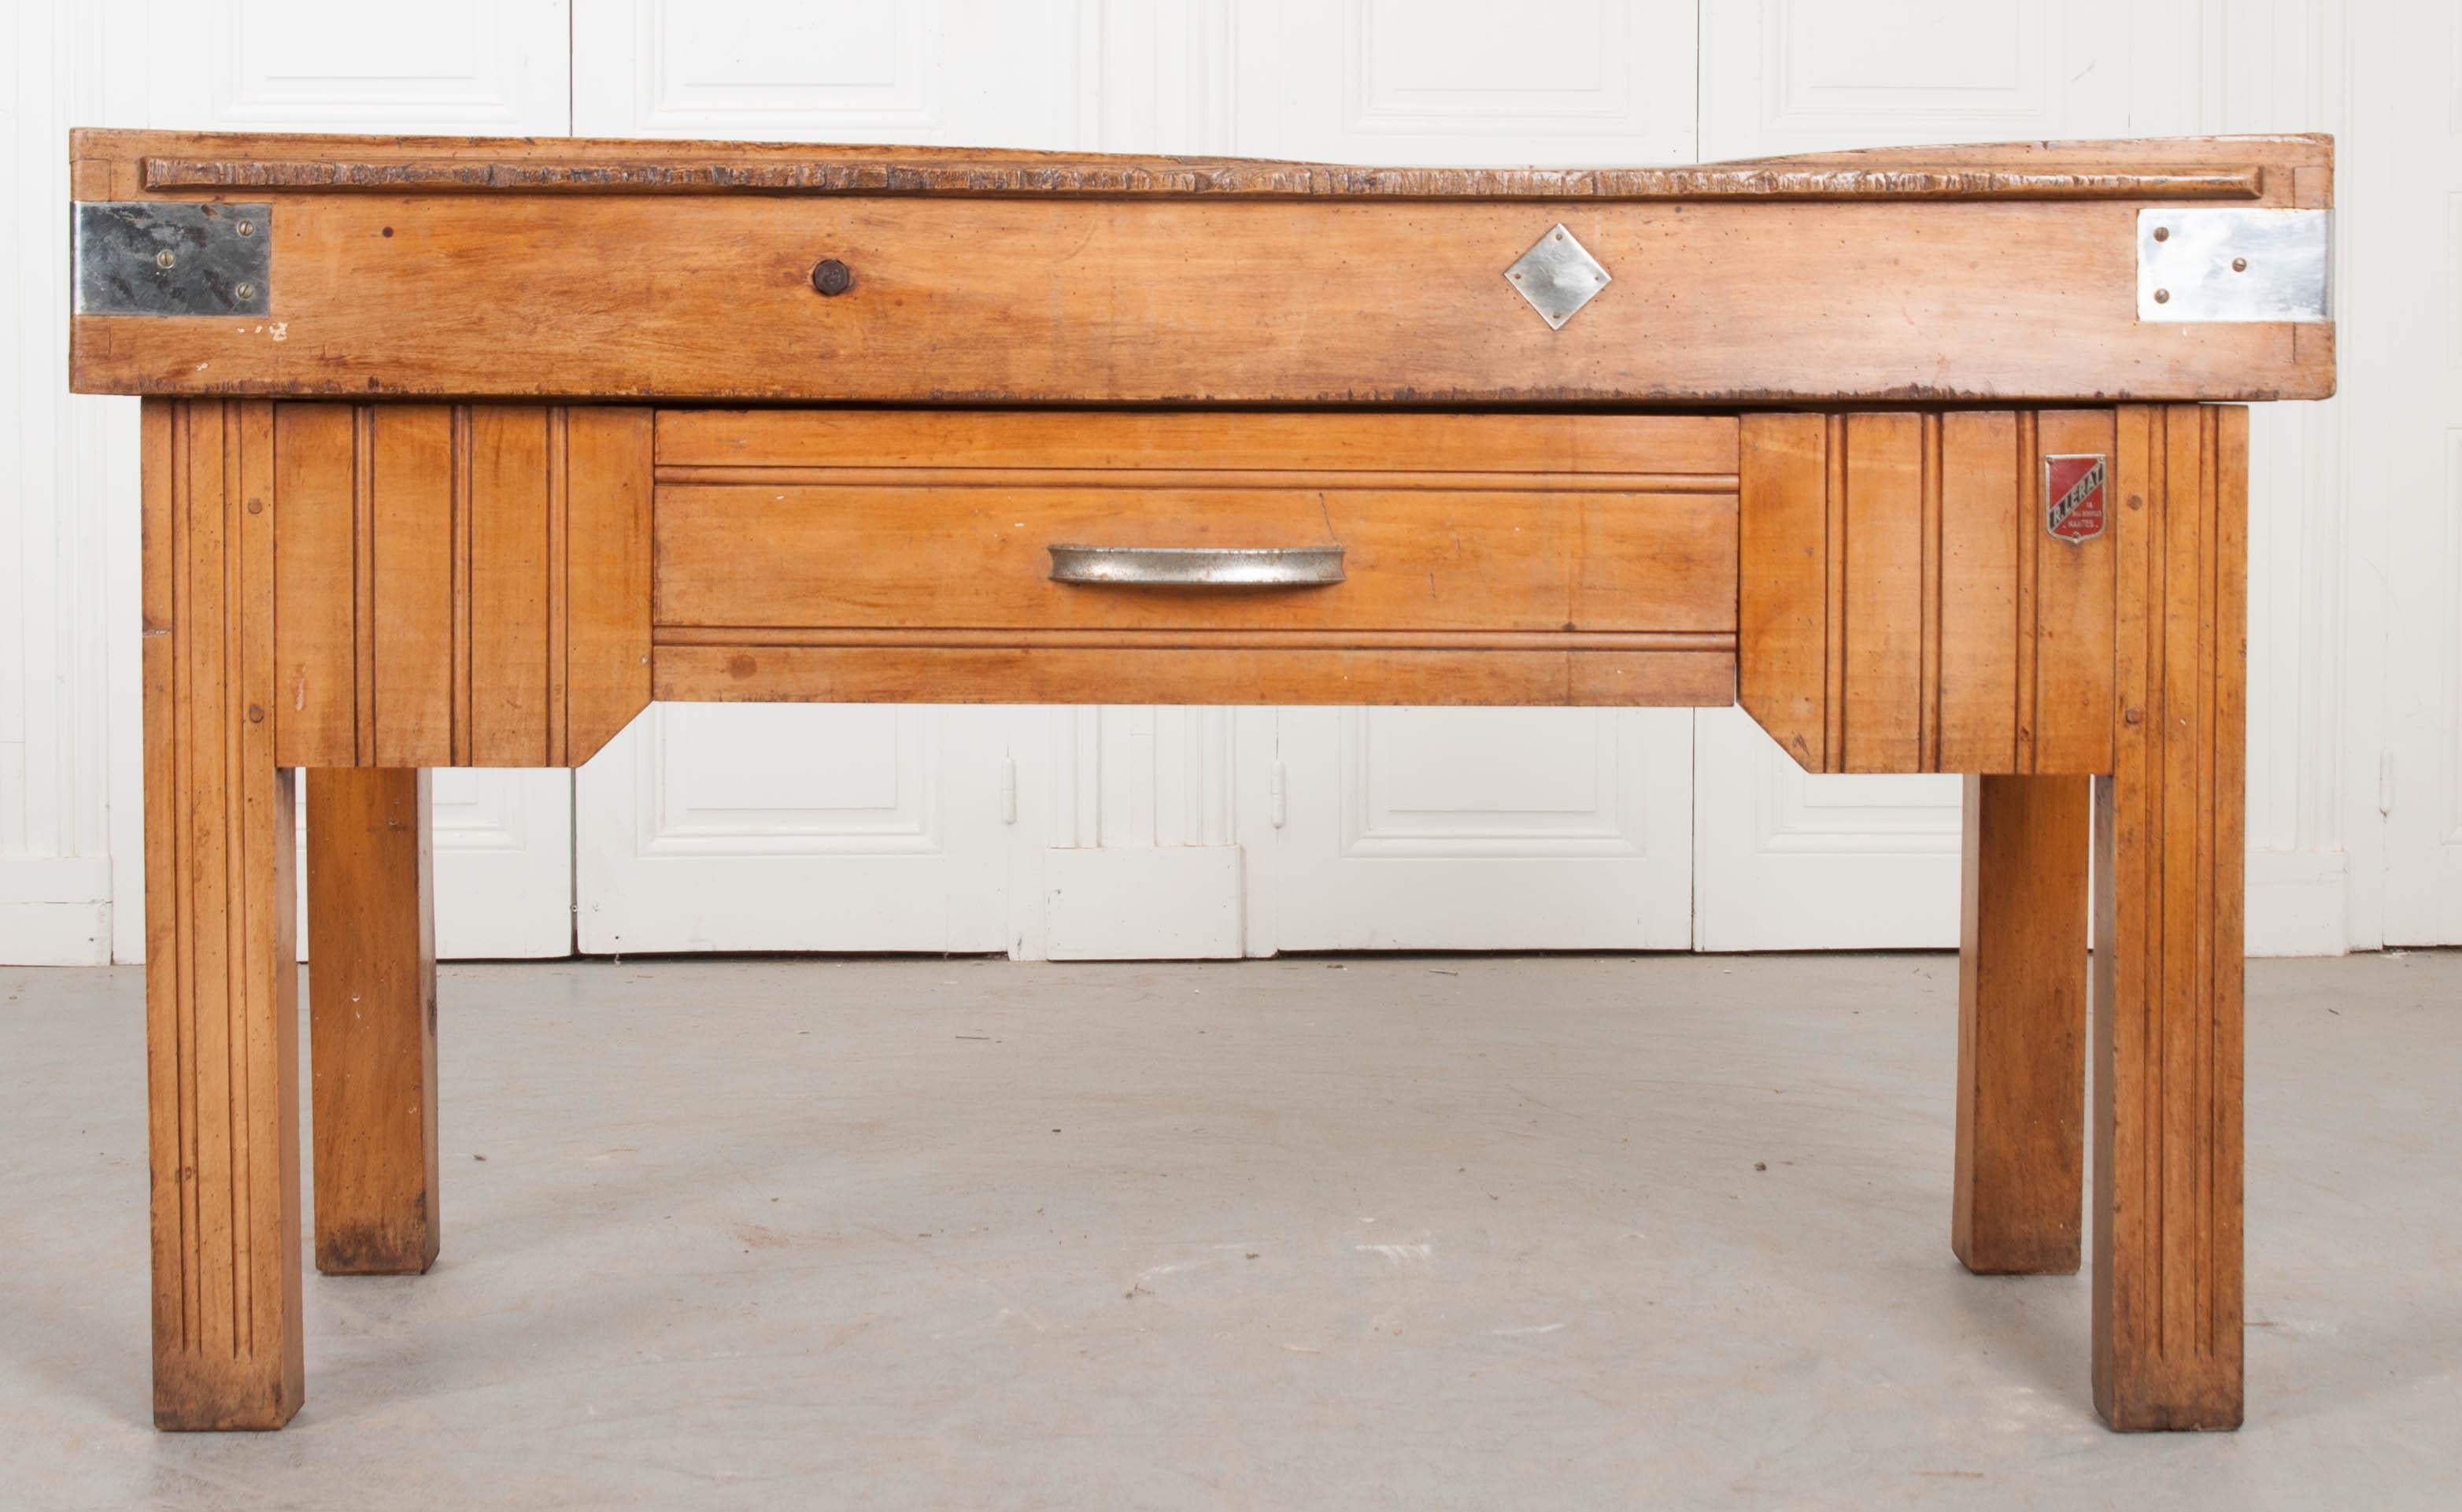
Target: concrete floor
(1375, 1233)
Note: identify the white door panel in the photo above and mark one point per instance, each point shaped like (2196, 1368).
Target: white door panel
(1790, 860)
(1579, 82)
(2410, 395)
(810, 827)
(484, 67)
(973, 72)
(1402, 829)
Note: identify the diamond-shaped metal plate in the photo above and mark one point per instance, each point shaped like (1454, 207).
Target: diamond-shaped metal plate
(1558, 275)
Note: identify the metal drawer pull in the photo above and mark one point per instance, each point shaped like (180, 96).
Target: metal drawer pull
(1199, 565)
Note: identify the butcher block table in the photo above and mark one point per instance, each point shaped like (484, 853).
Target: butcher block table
(461, 452)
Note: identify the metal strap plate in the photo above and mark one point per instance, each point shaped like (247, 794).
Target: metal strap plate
(2234, 265)
(159, 258)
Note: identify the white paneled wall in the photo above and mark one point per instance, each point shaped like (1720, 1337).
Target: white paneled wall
(2355, 792)
(63, 514)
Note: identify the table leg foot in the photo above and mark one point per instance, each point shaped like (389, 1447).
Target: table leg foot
(2018, 1196)
(372, 1020)
(221, 992)
(2169, 880)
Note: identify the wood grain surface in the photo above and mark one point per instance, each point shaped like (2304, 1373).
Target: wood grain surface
(1194, 301)
(2018, 1180)
(461, 584)
(1060, 674)
(372, 1020)
(1902, 605)
(221, 987)
(855, 533)
(535, 270)
(2169, 848)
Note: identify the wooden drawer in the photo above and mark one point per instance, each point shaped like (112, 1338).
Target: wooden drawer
(1457, 524)
(1484, 559)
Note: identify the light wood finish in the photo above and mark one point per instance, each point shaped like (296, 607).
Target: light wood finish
(2018, 1193)
(461, 585)
(1782, 673)
(1434, 545)
(2168, 863)
(440, 548)
(1902, 608)
(372, 1020)
(127, 165)
(1305, 297)
(1271, 447)
(1192, 675)
(602, 622)
(221, 989)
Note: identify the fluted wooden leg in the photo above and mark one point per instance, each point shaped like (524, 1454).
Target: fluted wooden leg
(2168, 882)
(221, 992)
(372, 1020)
(2021, 965)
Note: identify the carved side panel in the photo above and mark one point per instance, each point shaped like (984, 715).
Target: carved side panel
(1906, 605)
(458, 585)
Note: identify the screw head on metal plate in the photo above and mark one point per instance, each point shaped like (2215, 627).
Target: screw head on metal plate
(1558, 275)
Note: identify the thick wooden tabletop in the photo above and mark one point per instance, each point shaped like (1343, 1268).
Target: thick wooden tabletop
(531, 268)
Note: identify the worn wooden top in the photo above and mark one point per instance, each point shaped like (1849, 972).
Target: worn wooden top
(131, 164)
(401, 268)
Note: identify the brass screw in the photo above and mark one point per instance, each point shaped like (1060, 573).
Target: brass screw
(256, 714)
(164, 259)
(2240, 264)
(2134, 716)
(245, 291)
(2162, 297)
(2162, 233)
(247, 227)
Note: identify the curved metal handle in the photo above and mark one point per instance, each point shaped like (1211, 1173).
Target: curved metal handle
(1199, 565)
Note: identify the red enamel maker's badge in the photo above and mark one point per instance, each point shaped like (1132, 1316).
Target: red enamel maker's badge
(2073, 496)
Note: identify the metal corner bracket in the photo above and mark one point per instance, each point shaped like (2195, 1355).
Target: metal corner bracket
(167, 258)
(2234, 265)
